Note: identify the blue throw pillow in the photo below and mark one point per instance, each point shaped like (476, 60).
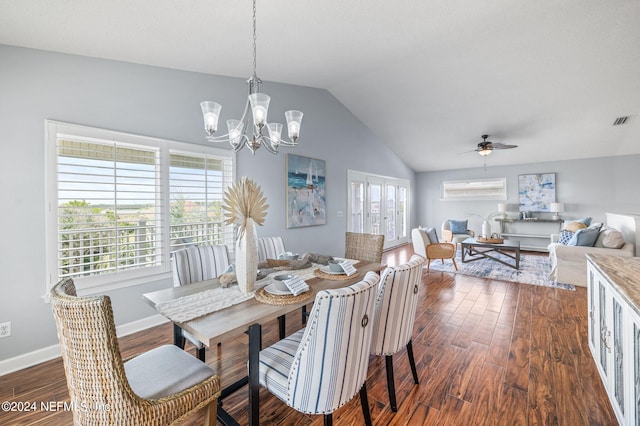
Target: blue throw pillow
(458, 226)
(585, 237)
(433, 237)
(565, 237)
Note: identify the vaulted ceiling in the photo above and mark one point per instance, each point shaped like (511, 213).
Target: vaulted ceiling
(427, 77)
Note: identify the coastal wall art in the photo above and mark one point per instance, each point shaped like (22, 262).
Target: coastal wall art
(306, 191)
(536, 192)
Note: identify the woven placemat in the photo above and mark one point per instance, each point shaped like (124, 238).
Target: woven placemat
(334, 277)
(275, 299)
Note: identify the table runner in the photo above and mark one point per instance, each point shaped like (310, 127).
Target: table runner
(196, 305)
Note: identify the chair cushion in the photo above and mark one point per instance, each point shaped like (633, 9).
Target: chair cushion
(275, 364)
(458, 226)
(164, 371)
(433, 236)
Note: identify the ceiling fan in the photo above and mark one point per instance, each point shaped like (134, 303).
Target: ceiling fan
(486, 147)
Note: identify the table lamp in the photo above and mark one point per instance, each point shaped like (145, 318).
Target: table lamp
(556, 208)
(502, 208)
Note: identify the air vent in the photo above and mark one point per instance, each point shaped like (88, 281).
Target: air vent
(620, 121)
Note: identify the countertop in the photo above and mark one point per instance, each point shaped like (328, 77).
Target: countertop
(623, 273)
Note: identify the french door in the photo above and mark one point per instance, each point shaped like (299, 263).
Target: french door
(378, 205)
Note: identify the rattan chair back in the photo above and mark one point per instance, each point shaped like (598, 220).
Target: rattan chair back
(98, 386)
(367, 247)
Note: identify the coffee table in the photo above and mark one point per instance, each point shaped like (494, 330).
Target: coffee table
(474, 250)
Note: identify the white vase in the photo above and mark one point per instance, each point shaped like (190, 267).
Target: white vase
(486, 229)
(247, 258)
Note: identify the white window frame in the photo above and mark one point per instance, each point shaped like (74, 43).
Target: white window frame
(473, 189)
(109, 281)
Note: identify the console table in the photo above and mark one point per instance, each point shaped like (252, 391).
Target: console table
(534, 234)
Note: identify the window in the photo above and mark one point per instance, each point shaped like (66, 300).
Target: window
(476, 189)
(118, 204)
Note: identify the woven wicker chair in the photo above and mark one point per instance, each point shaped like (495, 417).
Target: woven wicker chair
(160, 387)
(367, 247)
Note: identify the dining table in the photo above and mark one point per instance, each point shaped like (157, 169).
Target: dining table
(245, 317)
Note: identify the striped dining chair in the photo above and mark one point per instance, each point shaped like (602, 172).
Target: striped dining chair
(270, 248)
(321, 367)
(394, 316)
(191, 265)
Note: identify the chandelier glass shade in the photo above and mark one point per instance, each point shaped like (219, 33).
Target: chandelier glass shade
(257, 132)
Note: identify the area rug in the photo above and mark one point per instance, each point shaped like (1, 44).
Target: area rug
(534, 269)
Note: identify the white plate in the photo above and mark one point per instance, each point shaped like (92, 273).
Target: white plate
(271, 288)
(326, 270)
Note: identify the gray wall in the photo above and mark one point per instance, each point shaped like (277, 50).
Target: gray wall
(36, 85)
(589, 187)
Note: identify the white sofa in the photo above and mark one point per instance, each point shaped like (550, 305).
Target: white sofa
(569, 263)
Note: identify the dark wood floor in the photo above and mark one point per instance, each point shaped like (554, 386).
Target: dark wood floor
(488, 353)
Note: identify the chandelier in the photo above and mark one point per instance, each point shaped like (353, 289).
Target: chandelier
(259, 132)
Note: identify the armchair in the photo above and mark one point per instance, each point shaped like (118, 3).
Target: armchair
(425, 244)
(455, 236)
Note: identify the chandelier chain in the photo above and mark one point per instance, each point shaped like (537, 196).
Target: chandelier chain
(254, 37)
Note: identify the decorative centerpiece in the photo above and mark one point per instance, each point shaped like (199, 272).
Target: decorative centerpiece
(245, 206)
(486, 226)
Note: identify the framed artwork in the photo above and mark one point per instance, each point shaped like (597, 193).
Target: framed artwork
(536, 192)
(306, 191)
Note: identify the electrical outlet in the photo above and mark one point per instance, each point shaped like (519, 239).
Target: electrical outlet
(5, 329)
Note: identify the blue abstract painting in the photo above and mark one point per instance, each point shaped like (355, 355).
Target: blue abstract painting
(536, 192)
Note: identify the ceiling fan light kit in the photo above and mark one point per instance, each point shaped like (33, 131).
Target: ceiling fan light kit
(238, 134)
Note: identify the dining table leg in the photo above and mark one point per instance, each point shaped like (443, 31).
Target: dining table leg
(255, 345)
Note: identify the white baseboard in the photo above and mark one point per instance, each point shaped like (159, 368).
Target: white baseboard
(45, 354)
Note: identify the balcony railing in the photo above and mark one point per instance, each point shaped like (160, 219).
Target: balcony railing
(105, 249)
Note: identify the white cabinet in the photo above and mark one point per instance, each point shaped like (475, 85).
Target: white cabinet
(614, 340)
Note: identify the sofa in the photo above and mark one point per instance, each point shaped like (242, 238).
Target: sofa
(569, 263)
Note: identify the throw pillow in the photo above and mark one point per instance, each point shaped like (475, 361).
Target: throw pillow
(458, 226)
(574, 226)
(433, 237)
(585, 237)
(565, 236)
(585, 220)
(610, 238)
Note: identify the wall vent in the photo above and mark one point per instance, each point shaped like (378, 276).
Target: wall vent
(620, 120)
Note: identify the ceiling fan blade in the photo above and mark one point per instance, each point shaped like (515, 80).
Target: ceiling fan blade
(498, 145)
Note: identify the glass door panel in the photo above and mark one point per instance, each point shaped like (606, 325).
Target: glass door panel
(375, 205)
(390, 213)
(357, 207)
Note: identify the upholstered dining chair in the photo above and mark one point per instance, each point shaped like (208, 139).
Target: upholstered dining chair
(367, 247)
(425, 243)
(322, 367)
(270, 248)
(395, 313)
(191, 265)
(455, 231)
(160, 387)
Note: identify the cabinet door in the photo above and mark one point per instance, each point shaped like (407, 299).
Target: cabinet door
(604, 331)
(594, 327)
(617, 344)
(633, 363)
